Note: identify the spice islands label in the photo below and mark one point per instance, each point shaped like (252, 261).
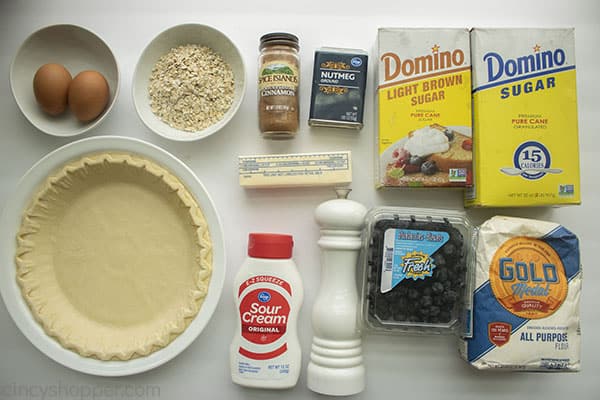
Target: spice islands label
(528, 278)
(278, 78)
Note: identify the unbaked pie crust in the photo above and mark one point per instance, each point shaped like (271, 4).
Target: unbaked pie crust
(114, 256)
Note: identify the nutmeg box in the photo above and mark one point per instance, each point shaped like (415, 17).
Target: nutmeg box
(423, 108)
(525, 118)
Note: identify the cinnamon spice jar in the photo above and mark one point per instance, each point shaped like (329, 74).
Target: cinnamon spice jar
(278, 82)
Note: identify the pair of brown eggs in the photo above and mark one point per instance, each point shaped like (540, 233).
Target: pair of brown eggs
(86, 95)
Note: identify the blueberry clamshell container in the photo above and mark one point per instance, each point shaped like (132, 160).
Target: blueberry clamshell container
(417, 271)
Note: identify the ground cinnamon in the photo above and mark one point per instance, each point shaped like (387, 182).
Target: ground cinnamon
(278, 80)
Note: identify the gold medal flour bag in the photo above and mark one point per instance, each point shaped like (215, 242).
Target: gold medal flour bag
(525, 300)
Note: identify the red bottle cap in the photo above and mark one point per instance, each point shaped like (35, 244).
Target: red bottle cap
(270, 245)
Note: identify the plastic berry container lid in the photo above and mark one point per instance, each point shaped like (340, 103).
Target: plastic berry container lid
(416, 271)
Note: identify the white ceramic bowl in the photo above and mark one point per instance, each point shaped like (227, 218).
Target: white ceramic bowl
(76, 48)
(10, 222)
(161, 45)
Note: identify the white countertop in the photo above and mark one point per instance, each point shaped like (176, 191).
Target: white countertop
(397, 367)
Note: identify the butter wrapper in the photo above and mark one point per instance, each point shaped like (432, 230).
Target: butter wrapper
(295, 170)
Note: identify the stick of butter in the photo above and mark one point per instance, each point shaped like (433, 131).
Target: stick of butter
(292, 170)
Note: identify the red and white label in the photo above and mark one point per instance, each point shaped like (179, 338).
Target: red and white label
(262, 279)
(499, 333)
(264, 314)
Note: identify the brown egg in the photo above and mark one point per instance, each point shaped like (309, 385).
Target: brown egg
(51, 87)
(88, 95)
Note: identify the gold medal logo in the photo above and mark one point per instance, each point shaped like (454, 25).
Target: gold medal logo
(528, 278)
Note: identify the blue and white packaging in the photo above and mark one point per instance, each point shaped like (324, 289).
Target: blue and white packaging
(526, 293)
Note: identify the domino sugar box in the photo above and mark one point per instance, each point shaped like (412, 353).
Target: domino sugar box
(525, 134)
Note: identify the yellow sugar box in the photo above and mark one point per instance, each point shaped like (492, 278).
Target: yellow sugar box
(423, 108)
(524, 118)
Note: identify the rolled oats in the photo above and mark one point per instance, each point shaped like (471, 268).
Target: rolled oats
(191, 88)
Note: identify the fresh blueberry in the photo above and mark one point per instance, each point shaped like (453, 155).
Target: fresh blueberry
(439, 260)
(402, 304)
(444, 316)
(383, 311)
(400, 316)
(449, 249)
(402, 290)
(426, 301)
(441, 274)
(450, 296)
(437, 287)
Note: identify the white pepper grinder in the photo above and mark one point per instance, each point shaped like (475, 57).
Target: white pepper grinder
(336, 364)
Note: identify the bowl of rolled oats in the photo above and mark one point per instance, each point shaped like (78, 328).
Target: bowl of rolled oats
(189, 82)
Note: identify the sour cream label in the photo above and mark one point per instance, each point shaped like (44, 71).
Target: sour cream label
(264, 311)
(264, 314)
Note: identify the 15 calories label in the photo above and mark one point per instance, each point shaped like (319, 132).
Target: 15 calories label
(407, 254)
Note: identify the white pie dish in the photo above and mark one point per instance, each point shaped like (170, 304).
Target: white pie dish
(11, 220)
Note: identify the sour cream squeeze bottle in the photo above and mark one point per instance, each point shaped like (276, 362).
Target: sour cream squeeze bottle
(265, 350)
